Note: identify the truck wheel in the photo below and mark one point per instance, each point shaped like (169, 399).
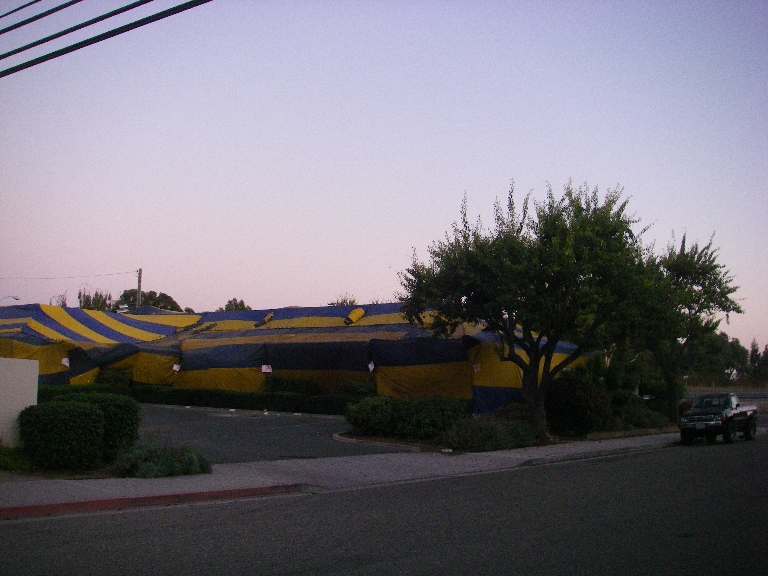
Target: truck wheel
(727, 433)
(711, 438)
(686, 437)
(751, 430)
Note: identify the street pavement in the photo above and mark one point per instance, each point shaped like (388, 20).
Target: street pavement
(24, 496)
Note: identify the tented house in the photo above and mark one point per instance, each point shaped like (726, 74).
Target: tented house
(238, 350)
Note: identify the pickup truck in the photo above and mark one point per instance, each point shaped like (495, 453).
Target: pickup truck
(712, 415)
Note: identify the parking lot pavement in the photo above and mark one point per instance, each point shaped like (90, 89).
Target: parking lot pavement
(228, 437)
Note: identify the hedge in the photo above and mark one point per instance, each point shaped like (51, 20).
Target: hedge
(122, 417)
(66, 435)
(410, 418)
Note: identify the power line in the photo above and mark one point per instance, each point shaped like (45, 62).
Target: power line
(75, 28)
(72, 277)
(19, 8)
(37, 17)
(103, 36)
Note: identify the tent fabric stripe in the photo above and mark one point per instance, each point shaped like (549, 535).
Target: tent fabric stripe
(135, 322)
(122, 329)
(101, 328)
(60, 316)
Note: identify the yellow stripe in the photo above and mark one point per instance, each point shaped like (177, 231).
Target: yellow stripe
(15, 320)
(396, 318)
(60, 315)
(305, 322)
(9, 330)
(118, 326)
(179, 321)
(45, 331)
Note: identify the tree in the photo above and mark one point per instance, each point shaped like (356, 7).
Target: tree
(568, 271)
(234, 304)
(688, 292)
(344, 300)
(151, 298)
(97, 301)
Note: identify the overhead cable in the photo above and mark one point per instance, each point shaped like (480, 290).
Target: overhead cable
(74, 277)
(19, 8)
(37, 17)
(75, 28)
(103, 36)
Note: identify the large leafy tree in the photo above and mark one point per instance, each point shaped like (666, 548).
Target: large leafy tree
(567, 270)
(689, 293)
(151, 298)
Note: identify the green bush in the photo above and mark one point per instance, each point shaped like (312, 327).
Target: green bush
(294, 385)
(484, 433)
(48, 393)
(280, 401)
(148, 460)
(411, 418)
(517, 411)
(425, 418)
(63, 435)
(577, 404)
(373, 416)
(122, 417)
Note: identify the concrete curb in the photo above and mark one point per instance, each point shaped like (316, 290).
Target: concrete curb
(62, 508)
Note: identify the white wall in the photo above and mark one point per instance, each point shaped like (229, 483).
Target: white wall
(18, 389)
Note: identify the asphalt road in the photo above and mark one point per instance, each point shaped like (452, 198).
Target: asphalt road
(699, 510)
(224, 436)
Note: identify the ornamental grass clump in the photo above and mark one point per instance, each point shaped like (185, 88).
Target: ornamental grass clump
(148, 460)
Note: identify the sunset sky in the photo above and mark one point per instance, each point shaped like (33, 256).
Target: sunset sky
(285, 153)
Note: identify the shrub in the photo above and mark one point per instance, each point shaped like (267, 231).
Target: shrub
(122, 417)
(294, 385)
(483, 433)
(425, 418)
(66, 435)
(575, 403)
(148, 460)
(411, 418)
(48, 393)
(373, 416)
(517, 411)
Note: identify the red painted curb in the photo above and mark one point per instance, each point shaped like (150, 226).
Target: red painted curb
(38, 510)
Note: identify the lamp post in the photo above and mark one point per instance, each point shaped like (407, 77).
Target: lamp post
(4, 297)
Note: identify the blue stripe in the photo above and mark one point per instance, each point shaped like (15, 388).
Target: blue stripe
(90, 322)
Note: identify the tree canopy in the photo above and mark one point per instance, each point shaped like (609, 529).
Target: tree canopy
(151, 298)
(234, 304)
(566, 269)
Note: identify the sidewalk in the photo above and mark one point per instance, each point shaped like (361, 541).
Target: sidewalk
(27, 498)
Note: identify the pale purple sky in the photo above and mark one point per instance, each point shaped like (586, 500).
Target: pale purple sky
(289, 152)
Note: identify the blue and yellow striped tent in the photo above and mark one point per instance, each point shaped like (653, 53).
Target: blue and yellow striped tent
(330, 345)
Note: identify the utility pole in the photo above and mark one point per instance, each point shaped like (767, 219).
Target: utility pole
(138, 292)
